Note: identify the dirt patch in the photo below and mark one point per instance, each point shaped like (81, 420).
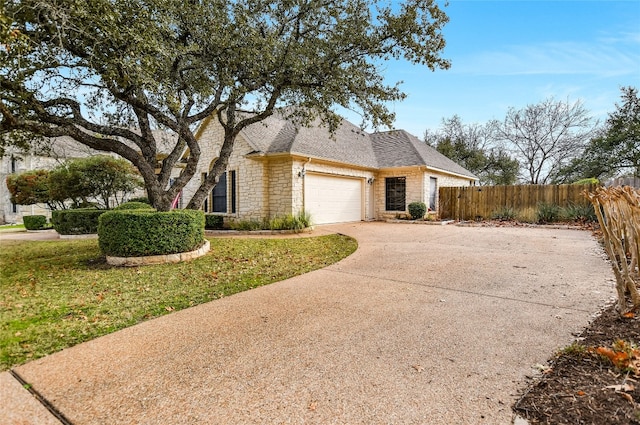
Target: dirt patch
(582, 387)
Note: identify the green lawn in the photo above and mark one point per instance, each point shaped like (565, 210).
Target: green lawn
(12, 228)
(55, 294)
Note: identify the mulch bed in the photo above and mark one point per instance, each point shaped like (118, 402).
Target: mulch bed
(579, 385)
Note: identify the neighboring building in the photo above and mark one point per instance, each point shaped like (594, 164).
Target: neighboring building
(48, 154)
(632, 181)
(279, 168)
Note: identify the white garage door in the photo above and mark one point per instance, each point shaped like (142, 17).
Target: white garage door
(332, 199)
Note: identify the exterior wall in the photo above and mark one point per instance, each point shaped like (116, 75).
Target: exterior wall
(251, 174)
(281, 181)
(414, 190)
(417, 189)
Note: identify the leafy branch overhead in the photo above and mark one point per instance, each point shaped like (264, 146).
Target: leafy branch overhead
(109, 73)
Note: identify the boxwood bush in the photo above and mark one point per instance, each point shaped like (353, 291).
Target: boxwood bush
(138, 233)
(34, 222)
(134, 205)
(417, 210)
(213, 221)
(81, 221)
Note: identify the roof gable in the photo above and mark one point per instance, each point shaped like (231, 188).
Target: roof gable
(398, 148)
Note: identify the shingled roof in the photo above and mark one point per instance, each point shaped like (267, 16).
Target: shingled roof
(349, 145)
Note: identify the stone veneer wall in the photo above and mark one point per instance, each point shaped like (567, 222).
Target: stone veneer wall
(281, 181)
(417, 187)
(250, 174)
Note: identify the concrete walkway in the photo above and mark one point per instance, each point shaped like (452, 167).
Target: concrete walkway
(422, 325)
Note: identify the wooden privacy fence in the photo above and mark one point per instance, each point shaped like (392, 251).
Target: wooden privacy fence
(483, 202)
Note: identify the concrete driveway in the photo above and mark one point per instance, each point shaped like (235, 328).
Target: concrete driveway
(422, 325)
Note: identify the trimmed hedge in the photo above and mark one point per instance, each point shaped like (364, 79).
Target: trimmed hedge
(213, 221)
(139, 233)
(134, 205)
(81, 221)
(417, 210)
(34, 222)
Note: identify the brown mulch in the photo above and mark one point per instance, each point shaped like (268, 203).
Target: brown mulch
(579, 385)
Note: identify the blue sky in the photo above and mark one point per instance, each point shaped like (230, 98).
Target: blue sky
(514, 53)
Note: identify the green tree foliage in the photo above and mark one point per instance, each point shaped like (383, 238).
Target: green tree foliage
(95, 70)
(100, 178)
(616, 149)
(30, 187)
(92, 181)
(472, 146)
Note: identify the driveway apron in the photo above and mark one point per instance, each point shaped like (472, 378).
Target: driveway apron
(422, 325)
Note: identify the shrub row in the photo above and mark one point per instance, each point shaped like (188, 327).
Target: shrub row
(548, 213)
(81, 221)
(213, 221)
(137, 233)
(84, 221)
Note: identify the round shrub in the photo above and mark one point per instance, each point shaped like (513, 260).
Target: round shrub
(134, 205)
(139, 233)
(34, 222)
(417, 210)
(82, 221)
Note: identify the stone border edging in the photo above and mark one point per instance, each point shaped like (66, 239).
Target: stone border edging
(82, 236)
(432, 223)
(159, 259)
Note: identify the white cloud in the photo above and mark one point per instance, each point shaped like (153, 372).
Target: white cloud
(603, 59)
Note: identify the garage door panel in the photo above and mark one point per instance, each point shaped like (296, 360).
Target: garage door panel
(332, 199)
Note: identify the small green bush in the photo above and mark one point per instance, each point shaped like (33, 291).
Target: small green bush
(504, 214)
(138, 233)
(133, 205)
(548, 213)
(142, 199)
(417, 210)
(213, 221)
(591, 180)
(34, 222)
(580, 212)
(81, 221)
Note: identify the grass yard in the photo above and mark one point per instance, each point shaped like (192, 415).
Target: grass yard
(55, 294)
(11, 227)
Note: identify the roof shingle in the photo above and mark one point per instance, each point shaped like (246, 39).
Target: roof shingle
(350, 145)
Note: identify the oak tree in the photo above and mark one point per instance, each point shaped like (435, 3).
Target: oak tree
(545, 137)
(109, 72)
